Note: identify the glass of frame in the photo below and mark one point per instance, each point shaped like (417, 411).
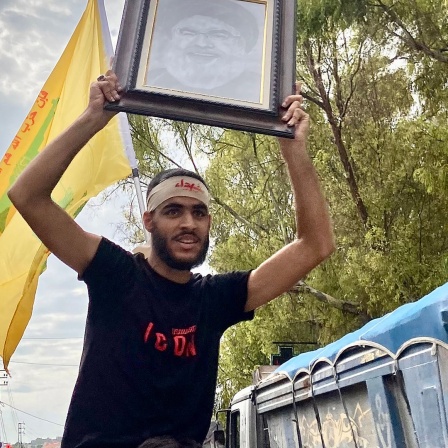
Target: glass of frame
(226, 63)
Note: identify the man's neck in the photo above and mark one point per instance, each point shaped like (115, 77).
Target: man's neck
(164, 270)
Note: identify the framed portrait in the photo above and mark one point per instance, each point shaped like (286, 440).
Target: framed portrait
(226, 63)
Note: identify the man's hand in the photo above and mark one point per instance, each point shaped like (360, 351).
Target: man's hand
(295, 116)
(106, 88)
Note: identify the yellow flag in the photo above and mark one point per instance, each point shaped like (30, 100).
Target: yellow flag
(100, 163)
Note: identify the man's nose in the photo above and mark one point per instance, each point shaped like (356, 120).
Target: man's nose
(203, 40)
(188, 221)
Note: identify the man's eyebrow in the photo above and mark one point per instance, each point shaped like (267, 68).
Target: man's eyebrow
(176, 205)
(173, 205)
(200, 207)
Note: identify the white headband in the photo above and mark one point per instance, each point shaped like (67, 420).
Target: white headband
(177, 186)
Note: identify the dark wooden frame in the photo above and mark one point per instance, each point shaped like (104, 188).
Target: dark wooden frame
(209, 112)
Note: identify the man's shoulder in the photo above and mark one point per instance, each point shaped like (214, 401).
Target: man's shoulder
(108, 247)
(109, 259)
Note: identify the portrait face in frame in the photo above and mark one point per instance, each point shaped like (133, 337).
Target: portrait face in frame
(225, 63)
(211, 48)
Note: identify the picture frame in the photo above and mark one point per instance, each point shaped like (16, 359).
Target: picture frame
(225, 63)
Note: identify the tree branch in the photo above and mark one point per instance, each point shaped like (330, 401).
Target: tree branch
(337, 134)
(271, 192)
(408, 38)
(255, 227)
(342, 305)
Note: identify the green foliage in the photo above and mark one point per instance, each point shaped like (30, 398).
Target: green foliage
(319, 16)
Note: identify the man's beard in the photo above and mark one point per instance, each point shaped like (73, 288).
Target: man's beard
(160, 245)
(204, 77)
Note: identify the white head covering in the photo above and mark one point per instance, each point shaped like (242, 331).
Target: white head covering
(177, 186)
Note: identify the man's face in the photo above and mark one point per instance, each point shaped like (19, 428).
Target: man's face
(205, 52)
(180, 232)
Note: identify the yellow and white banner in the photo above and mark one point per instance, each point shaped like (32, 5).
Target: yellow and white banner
(100, 163)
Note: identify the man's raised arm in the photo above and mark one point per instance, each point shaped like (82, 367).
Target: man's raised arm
(31, 193)
(315, 241)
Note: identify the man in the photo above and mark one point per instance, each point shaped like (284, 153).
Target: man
(203, 46)
(149, 362)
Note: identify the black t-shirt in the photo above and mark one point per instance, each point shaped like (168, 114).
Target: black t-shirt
(150, 355)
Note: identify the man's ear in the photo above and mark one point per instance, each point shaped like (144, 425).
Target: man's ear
(209, 221)
(147, 220)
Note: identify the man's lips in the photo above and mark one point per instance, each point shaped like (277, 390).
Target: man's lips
(202, 56)
(187, 239)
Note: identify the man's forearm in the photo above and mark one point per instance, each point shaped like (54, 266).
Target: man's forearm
(312, 215)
